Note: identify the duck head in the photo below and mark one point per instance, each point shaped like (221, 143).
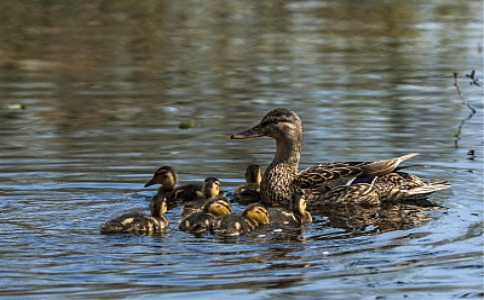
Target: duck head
(217, 207)
(278, 124)
(211, 187)
(256, 212)
(166, 176)
(285, 127)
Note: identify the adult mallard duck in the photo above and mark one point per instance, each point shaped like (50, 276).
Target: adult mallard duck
(254, 215)
(198, 222)
(136, 222)
(329, 185)
(296, 214)
(249, 192)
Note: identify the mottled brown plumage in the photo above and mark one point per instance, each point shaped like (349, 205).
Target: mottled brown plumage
(135, 222)
(199, 221)
(168, 178)
(295, 214)
(329, 185)
(253, 216)
(210, 191)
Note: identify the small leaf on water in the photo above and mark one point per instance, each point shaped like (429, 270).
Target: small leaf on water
(186, 124)
(16, 106)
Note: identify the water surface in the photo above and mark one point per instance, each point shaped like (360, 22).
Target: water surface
(106, 85)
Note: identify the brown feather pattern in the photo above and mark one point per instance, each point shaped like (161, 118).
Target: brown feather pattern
(330, 185)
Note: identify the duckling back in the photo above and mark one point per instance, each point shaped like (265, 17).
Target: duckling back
(295, 214)
(188, 192)
(135, 223)
(234, 225)
(200, 221)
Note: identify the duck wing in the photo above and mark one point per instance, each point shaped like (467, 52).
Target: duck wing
(324, 177)
(383, 167)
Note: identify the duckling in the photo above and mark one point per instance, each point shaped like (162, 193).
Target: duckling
(168, 178)
(249, 192)
(254, 215)
(295, 215)
(198, 222)
(136, 222)
(192, 192)
(210, 189)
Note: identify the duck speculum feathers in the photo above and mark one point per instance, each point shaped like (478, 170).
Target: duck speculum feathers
(329, 185)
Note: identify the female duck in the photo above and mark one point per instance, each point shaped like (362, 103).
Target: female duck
(249, 192)
(329, 185)
(138, 223)
(234, 225)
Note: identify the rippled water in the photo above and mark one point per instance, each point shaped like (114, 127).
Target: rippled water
(104, 87)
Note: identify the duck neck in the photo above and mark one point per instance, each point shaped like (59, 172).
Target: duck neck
(277, 183)
(165, 190)
(288, 152)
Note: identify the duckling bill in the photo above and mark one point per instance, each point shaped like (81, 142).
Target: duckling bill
(168, 178)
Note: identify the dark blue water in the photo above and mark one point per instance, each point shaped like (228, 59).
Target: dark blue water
(106, 85)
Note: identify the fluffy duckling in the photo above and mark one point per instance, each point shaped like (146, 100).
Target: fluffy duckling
(198, 222)
(135, 222)
(249, 192)
(210, 189)
(295, 215)
(168, 178)
(253, 216)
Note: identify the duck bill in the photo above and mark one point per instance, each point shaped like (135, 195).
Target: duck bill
(151, 182)
(249, 133)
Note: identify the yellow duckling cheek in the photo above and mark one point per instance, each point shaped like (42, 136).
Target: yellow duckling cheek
(265, 220)
(260, 217)
(215, 191)
(163, 208)
(168, 180)
(259, 177)
(220, 210)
